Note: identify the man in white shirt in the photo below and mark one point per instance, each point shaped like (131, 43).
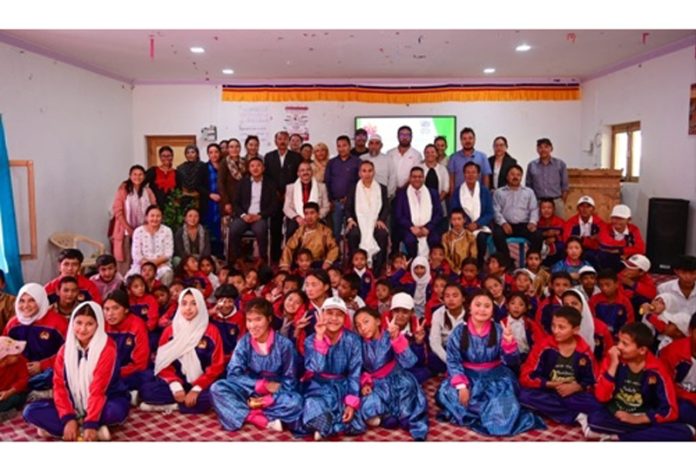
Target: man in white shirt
(404, 156)
(385, 170)
(684, 287)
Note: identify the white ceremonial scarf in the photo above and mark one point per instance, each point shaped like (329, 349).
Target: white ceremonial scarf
(519, 332)
(587, 329)
(421, 213)
(80, 371)
(37, 292)
(297, 194)
(186, 336)
(471, 204)
(368, 204)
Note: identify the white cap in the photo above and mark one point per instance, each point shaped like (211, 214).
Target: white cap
(402, 300)
(334, 302)
(586, 199)
(621, 211)
(531, 275)
(587, 269)
(375, 137)
(638, 261)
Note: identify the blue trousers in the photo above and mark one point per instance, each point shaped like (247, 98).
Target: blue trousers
(135, 381)
(44, 414)
(41, 381)
(604, 421)
(337, 220)
(687, 412)
(157, 392)
(561, 409)
(411, 242)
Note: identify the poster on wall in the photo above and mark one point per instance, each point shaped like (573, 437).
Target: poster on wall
(297, 121)
(256, 120)
(692, 111)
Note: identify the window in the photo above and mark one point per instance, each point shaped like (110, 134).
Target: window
(626, 150)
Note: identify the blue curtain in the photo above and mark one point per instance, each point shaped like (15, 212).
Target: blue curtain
(10, 261)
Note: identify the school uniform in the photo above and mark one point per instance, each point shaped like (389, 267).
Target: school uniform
(335, 383)
(493, 408)
(500, 310)
(433, 304)
(587, 231)
(108, 400)
(145, 307)
(527, 333)
(368, 284)
(556, 249)
(569, 266)
(445, 269)
(613, 246)
(133, 350)
(14, 375)
(470, 286)
(396, 394)
(641, 291)
(88, 290)
(544, 313)
(603, 338)
(681, 367)
(231, 327)
(200, 281)
(615, 314)
(251, 368)
(546, 363)
(650, 391)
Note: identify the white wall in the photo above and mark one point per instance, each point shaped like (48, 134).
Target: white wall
(656, 93)
(77, 128)
(185, 109)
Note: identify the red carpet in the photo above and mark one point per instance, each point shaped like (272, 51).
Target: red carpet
(150, 427)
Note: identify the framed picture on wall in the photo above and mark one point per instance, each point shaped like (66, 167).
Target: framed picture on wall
(692, 110)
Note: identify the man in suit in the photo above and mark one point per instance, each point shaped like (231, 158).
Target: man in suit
(374, 214)
(255, 202)
(281, 168)
(413, 205)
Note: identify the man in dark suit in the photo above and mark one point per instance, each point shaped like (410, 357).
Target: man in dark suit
(409, 203)
(255, 202)
(281, 168)
(364, 217)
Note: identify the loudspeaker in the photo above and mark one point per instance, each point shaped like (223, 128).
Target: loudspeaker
(667, 224)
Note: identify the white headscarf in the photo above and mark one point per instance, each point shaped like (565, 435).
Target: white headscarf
(587, 329)
(420, 293)
(421, 213)
(471, 204)
(37, 292)
(672, 315)
(368, 204)
(297, 194)
(186, 336)
(80, 371)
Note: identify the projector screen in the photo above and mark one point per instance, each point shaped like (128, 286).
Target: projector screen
(425, 129)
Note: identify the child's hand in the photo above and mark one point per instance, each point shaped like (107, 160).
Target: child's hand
(624, 416)
(191, 398)
(302, 322)
(272, 387)
(614, 355)
(366, 390)
(70, 431)
(33, 368)
(180, 396)
(348, 414)
(320, 326)
(255, 403)
(89, 435)
(567, 389)
(393, 329)
(464, 396)
(508, 336)
(419, 334)
(673, 331)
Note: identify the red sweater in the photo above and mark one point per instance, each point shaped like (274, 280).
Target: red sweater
(15, 374)
(88, 290)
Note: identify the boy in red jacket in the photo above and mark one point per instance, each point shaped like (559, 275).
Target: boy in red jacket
(619, 239)
(680, 359)
(69, 264)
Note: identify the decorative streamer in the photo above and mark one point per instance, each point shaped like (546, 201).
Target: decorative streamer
(152, 47)
(645, 37)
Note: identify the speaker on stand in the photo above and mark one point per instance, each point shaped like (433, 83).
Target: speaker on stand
(667, 226)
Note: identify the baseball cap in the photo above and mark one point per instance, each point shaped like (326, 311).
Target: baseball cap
(587, 269)
(402, 300)
(638, 261)
(586, 199)
(621, 211)
(334, 302)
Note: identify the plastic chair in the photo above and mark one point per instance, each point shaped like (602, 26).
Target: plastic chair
(521, 243)
(70, 240)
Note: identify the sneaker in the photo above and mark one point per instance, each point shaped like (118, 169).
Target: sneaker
(134, 398)
(693, 430)
(275, 425)
(103, 434)
(165, 408)
(43, 433)
(317, 436)
(606, 437)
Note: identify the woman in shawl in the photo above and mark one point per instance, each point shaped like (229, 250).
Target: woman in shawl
(189, 359)
(87, 390)
(191, 238)
(42, 328)
(193, 180)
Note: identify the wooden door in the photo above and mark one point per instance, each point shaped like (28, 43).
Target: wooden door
(177, 142)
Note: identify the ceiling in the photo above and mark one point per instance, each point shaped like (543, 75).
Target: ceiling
(347, 55)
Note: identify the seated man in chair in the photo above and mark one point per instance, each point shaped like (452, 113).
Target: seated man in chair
(314, 236)
(303, 190)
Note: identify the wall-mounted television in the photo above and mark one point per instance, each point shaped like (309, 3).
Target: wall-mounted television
(425, 129)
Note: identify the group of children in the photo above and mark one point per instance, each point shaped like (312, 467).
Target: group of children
(329, 352)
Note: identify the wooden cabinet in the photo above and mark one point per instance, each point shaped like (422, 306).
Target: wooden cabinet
(603, 185)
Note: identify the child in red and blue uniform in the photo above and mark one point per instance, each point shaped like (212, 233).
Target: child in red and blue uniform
(228, 319)
(190, 275)
(87, 388)
(640, 403)
(132, 344)
(43, 330)
(439, 264)
(189, 359)
(142, 304)
(636, 281)
(559, 374)
(586, 225)
(470, 280)
(436, 299)
(498, 266)
(560, 282)
(619, 239)
(526, 330)
(680, 359)
(366, 291)
(493, 285)
(611, 305)
(69, 264)
(68, 294)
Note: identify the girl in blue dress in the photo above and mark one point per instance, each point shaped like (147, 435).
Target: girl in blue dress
(333, 359)
(480, 391)
(261, 386)
(391, 395)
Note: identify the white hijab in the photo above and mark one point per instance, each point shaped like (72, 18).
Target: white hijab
(368, 204)
(186, 336)
(37, 292)
(297, 194)
(421, 213)
(587, 329)
(420, 293)
(80, 371)
(471, 204)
